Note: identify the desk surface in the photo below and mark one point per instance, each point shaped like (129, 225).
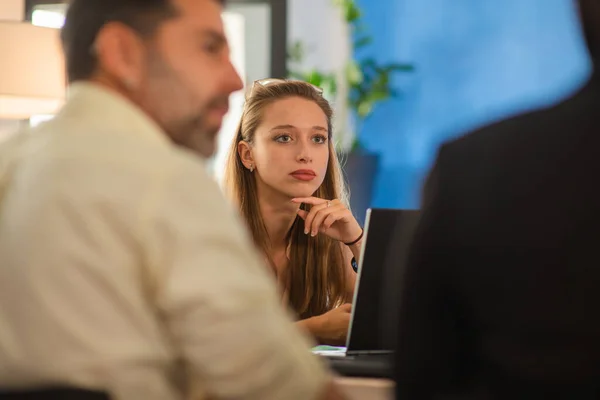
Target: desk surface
(366, 388)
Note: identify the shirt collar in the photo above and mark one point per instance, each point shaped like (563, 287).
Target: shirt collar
(105, 108)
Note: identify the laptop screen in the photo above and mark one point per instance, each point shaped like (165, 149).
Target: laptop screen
(367, 313)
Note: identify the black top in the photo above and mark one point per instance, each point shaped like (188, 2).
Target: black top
(501, 297)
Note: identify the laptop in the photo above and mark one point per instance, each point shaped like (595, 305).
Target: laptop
(367, 352)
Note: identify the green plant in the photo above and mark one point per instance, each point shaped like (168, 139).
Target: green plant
(368, 81)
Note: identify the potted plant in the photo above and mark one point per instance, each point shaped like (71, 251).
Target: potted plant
(368, 83)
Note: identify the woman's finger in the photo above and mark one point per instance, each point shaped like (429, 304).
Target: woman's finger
(318, 220)
(321, 216)
(308, 221)
(303, 214)
(331, 219)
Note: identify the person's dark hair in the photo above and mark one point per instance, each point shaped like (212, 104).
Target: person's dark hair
(589, 11)
(85, 18)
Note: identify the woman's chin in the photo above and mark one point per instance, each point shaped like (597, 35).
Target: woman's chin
(299, 190)
(294, 194)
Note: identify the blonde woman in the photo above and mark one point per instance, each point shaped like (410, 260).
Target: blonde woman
(284, 174)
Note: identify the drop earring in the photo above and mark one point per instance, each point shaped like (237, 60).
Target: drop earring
(251, 168)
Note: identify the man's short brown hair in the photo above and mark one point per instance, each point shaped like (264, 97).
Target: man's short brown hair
(85, 18)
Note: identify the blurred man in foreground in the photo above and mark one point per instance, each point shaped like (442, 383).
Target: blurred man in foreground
(121, 267)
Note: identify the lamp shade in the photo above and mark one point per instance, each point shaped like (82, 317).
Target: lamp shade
(32, 76)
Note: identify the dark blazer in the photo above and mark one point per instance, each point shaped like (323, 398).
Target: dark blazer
(501, 295)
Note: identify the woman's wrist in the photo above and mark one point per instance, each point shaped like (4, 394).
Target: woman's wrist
(314, 326)
(355, 249)
(357, 240)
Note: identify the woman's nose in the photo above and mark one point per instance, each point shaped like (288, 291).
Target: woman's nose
(303, 153)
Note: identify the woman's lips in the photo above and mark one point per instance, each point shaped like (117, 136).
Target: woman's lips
(304, 175)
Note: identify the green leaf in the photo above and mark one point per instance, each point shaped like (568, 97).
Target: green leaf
(368, 63)
(364, 109)
(362, 42)
(352, 13)
(378, 96)
(315, 77)
(329, 85)
(354, 73)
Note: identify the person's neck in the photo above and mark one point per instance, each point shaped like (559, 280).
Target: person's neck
(110, 84)
(279, 214)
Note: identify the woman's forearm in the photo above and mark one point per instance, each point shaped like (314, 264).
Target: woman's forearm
(313, 326)
(330, 328)
(355, 249)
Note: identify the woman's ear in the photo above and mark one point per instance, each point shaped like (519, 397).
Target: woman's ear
(245, 153)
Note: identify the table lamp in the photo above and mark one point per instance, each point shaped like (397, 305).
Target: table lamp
(32, 76)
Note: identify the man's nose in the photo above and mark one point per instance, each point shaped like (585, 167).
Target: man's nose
(234, 81)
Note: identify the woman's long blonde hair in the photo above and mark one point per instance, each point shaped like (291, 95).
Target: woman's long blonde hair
(315, 278)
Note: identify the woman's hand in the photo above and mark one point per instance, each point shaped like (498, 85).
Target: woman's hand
(330, 217)
(332, 327)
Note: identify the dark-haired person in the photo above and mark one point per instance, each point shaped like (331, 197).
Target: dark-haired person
(121, 267)
(501, 297)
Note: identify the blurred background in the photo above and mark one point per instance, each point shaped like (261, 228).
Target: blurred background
(404, 75)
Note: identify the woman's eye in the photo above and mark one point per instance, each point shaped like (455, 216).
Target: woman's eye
(320, 139)
(283, 139)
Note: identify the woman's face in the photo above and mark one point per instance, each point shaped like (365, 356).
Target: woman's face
(290, 152)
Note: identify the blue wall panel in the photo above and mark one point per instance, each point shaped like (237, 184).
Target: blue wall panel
(476, 61)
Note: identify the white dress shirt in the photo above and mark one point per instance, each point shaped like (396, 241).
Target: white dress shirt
(122, 268)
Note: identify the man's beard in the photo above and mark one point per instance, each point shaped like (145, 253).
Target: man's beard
(191, 131)
(195, 134)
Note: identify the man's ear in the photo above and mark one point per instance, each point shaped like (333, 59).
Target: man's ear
(120, 53)
(245, 153)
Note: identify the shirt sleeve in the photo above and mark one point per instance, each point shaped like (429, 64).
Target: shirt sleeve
(218, 302)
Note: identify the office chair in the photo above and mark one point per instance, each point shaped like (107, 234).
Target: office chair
(55, 393)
